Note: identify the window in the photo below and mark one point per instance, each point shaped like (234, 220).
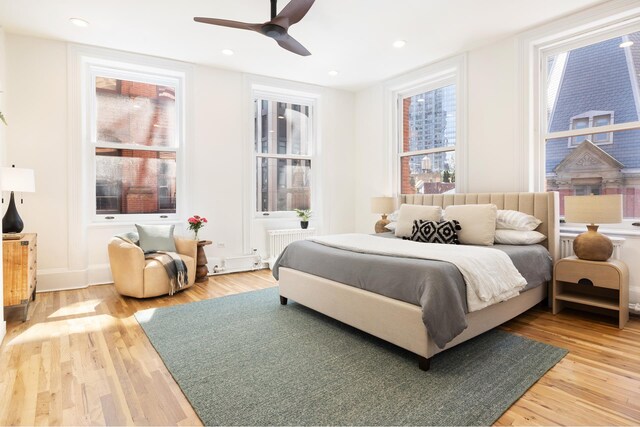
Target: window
(588, 120)
(135, 134)
(427, 152)
(592, 128)
(283, 142)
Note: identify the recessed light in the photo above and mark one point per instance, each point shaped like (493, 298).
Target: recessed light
(281, 117)
(626, 44)
(227, 52)
(333, 73)
(399, 43)
(79, 22)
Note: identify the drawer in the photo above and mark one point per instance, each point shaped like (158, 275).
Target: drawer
(603, 275)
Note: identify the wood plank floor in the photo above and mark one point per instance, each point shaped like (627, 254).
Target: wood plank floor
(82, 358)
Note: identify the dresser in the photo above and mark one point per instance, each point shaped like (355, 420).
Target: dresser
(19, 264)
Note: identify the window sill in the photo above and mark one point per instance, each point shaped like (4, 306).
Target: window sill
(132, 223)
(605, 231)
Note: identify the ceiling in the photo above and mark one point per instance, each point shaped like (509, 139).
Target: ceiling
(353, 37)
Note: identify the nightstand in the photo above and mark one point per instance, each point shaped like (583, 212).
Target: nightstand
(596, 286)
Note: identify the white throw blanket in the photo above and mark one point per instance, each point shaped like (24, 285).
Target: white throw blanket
(489, 273)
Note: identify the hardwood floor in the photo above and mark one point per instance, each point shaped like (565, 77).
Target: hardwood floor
(82, 358)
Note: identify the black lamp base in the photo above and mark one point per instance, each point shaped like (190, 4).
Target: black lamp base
(11, 222)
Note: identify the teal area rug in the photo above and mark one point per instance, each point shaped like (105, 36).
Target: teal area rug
(247, 360)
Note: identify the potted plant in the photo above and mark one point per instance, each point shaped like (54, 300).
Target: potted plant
(304, 215)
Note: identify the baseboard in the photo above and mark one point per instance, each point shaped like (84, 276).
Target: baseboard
(99, 274)
(221, 272)
(61, 279)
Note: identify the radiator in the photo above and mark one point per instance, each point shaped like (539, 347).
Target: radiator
(566, 245)
(279, 239)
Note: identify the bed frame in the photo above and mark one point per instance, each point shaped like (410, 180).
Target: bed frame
(401, 323)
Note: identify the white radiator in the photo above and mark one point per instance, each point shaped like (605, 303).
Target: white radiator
(279, 239)
(566, 245)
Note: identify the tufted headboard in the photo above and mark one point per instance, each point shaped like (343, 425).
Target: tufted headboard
(544, 206)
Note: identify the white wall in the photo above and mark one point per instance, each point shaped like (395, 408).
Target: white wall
(36, 101)
(492, 121)
(39, 138)
(3, 324)
(372, 156)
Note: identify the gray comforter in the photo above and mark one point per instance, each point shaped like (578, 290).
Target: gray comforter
(436, 286)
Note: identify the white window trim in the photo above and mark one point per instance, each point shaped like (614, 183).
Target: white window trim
(94, 67)
(440, 74)
(251, 83)
(275, 94)
(612, 19)
(84, 63)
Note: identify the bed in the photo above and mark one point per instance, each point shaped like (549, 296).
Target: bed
(400, 322)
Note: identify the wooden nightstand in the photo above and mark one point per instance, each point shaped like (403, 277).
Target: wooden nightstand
(597, 286)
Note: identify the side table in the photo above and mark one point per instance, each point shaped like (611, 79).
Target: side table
(598, 286)
(201, 262)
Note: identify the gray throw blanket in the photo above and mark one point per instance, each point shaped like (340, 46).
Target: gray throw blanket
(174, 265)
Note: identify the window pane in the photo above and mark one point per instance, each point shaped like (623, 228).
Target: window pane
(135, 113)
(597, 169)
(428, 174)
(601, 121)
(283, 184)
(429, 120)
(591, 81)
(135, 181)
(284, 128)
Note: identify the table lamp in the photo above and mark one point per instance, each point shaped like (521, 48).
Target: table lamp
(605, 209)
(15, 179)
(384, 206)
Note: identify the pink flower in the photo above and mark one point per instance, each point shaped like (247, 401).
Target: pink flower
(196, 222)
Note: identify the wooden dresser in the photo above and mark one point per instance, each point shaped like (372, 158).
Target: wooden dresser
(19, 264)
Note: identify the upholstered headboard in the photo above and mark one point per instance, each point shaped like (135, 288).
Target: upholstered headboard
(544, 206)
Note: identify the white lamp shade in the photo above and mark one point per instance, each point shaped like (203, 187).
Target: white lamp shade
(605, 209)
(383, 205)
(17, 179)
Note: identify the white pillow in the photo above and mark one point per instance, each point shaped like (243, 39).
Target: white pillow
(514, 220)
(518, 237)
(410, 213)
(391, 226)
(393, 217)
(478, 223)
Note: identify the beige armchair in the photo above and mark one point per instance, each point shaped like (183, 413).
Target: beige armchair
(137, 277)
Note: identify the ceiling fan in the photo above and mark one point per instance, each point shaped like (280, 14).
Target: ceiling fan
(277, 27)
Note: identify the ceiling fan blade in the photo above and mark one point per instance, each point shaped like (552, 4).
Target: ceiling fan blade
(292, 13)
(293, 45)
(230, 24)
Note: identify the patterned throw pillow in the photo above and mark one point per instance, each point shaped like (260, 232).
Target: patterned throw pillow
(435, 232)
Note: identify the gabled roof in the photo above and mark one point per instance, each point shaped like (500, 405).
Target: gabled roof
(588, 157)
